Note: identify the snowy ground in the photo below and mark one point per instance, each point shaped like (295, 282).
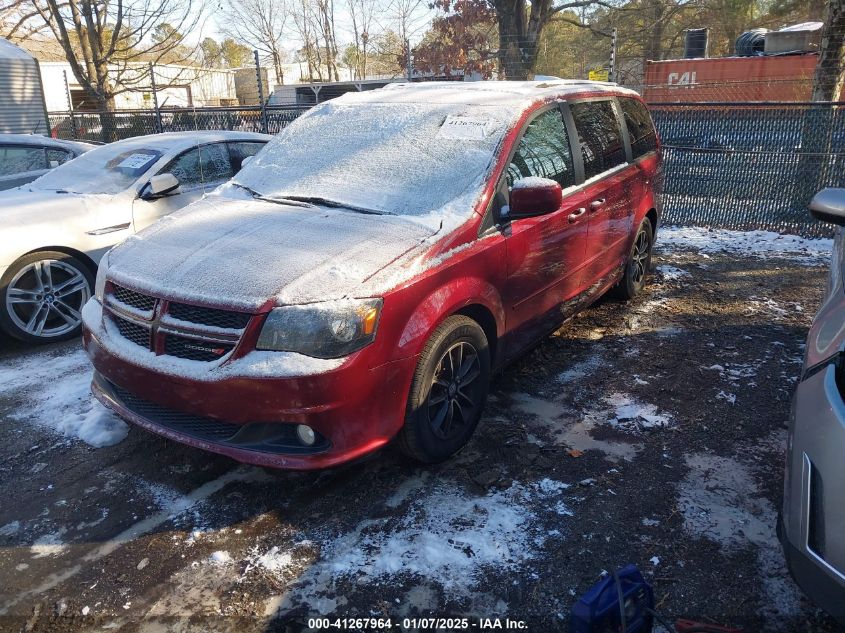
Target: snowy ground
(649, 433)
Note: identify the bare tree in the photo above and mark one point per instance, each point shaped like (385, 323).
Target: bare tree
(110, 43)
(263, 25)
(310, 51)
(325, 21)
(830, 69)
(361, 13)
(314, 21)
(520, 28)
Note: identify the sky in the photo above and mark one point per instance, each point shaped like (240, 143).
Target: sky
(383, 20)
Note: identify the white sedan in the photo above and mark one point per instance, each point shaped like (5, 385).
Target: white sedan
(25, 157)
(56, 229)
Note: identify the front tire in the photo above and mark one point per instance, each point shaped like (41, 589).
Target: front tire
(41, 297)
(639, 263)
(448, 391)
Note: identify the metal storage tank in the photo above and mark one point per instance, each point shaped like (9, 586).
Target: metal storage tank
(22, 108)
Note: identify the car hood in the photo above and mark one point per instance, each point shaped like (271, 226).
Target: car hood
(23, 205)
(246, 253)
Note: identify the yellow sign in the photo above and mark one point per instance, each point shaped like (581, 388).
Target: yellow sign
(599, 75)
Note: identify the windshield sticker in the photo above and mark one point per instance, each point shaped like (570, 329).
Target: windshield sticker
(135, 161)
(466, 128)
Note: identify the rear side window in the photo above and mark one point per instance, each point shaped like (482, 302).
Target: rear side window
(56, 157)
(17, 159)
(544, 151)
(242, 149)
(640, 126)
(205, 164)
(599, 135)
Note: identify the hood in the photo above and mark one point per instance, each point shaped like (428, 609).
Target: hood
(23, 205)
(243, 253)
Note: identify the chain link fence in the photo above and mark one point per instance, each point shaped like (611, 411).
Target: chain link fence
(104, 127)
(736, 165)
(750, 165)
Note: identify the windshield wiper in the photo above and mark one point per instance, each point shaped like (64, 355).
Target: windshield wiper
(309, 201)
(327, 202)
(291, 202)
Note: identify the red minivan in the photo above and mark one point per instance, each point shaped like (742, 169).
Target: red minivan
(367, 271)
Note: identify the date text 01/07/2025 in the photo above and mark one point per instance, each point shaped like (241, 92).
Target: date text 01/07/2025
(417, 624)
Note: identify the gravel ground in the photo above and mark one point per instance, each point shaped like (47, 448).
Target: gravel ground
(648, 433)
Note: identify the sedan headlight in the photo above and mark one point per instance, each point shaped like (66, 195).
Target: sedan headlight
(100, 284)
(322, 330)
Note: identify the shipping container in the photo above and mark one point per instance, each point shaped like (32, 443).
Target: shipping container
(22, 109)
(738, 79)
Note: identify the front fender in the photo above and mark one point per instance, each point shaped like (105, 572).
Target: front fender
(446, 300)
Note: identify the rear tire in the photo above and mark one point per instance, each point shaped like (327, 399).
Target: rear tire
(448, 391)
(41, 297)
(639, 263)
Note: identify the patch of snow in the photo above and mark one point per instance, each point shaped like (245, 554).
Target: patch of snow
(10, 529)
(654, 560)
(730, 397)
(49, 545)
(582, 369)
(57, 394)
(671, 273)
(274, 560)
(573, 428)
(632, 413)
(445, 536)
(763, 244)
(86, 610)
(220, 557)
(720, 499)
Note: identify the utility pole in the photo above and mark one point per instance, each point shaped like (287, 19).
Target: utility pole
(264, 125)
(70, 107)
(613, 45)
(155, 99)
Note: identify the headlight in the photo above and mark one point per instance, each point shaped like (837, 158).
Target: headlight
(100, 285)
(323, 330)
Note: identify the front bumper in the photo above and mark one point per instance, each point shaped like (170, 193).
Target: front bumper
(812, 526)
(354, 409)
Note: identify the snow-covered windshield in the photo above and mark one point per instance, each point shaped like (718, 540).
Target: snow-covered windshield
(109, 169)
(401, 158)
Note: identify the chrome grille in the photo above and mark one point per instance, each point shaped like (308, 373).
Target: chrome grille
(139, 301)
(195, 349)
(212, 317)
(138, 334)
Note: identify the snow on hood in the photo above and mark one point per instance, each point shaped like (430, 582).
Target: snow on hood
(244, 252)
(22, 204)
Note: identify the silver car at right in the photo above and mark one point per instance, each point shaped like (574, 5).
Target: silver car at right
(812, 523)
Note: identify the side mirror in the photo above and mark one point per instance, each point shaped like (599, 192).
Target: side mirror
(828, 205)
(246, 161)
(160, 186)
(534, 196)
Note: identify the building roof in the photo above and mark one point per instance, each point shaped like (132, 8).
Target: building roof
(10, 51)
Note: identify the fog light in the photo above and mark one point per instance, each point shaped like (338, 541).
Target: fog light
(305, 434)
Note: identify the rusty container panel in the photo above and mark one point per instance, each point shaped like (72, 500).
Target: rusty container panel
(774, 78)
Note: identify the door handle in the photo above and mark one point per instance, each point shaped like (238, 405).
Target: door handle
(595, 205)
(576, 214)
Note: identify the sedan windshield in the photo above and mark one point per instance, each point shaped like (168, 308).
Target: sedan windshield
(106, 170)
(392, 158)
